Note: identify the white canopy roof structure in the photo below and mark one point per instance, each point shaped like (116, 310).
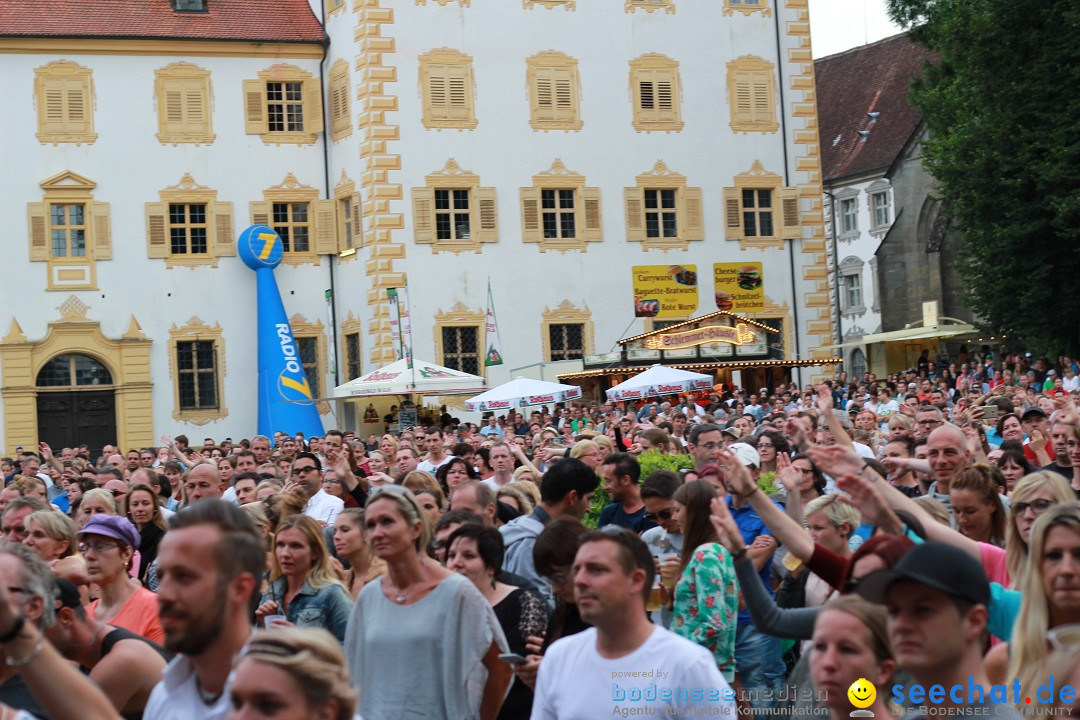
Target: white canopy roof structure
(659, 380)
(522, 392)
(425, 378)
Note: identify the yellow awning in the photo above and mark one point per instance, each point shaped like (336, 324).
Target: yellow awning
(919, 333)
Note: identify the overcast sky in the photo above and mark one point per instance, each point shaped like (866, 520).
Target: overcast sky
(838, 25)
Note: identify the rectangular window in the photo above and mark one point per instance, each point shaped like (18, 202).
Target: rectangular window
(183, 96)
(661, 215)
(292, 222)
(67, 229)
(555, 101)
(567, 342)
(352, 355)
(557, 207)
(308, 348)
(447, 89)
(757, 212)
(196, 375)
(461, 348)
(187, 229)
(64, 103)
(452, 215)
(848, 215)
(285, 106)
(880, 203)
(853, 290)
(654, 82)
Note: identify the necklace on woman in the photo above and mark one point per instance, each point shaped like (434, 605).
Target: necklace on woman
(403, 595)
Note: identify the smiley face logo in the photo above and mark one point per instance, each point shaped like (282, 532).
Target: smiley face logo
(862, 693)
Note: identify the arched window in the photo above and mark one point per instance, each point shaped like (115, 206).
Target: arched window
(73, 370)
(858, 364)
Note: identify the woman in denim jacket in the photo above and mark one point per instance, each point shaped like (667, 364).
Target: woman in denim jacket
(305, 590)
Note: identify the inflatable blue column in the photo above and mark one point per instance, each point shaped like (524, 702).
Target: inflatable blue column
(285, 398)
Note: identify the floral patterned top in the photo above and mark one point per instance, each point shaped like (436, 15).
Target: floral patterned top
(707, 605)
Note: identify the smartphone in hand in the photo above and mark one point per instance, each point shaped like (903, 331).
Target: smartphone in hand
(513, 659)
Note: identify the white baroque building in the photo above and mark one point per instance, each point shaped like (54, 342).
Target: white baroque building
(546, 147)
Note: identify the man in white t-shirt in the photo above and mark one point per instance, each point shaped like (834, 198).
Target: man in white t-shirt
(624, 664)
(502, 462)
(436, 454)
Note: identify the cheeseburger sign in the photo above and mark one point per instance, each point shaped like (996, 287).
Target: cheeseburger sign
(741, 334)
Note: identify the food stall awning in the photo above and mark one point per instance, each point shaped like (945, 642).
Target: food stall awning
(711, 367)
(909, 334)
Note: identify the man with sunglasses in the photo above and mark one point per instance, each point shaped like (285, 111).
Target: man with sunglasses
(658, 492)
(306, 476)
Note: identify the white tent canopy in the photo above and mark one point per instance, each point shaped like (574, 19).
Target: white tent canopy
(659, 380)
(425, 378)
(522, 392)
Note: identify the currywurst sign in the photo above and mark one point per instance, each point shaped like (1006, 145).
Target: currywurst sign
(741, 334)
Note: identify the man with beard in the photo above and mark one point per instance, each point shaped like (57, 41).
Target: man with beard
(621, 473)
(210, 565)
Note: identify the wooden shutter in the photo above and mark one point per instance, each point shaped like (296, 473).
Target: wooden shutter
(761, 109)
(458, 88)
(694, 227)
(53, 113)
(260, 213)
(565, 107)
(593, 221)
(224, 244)
(438, 92)
(742, 104)
(157, 236)
(172, 114)
(325, 227)
(38, 215)
(488, 214)
(313, 109)
(645, 92)
(78, 106)
(358, 223)
(530, 215)
(635, 217)
(545, 95)
(101, 243)
(255, 107)
(733, 227)
(665, 96)
(790, 227)
(197, 105)
(423, 203)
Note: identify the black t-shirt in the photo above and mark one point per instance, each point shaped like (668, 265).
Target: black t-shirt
(1066, 472)
(613, 514)
(14, 693)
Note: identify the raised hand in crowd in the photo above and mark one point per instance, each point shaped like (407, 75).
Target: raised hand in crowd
(836, 460)
(865, 496)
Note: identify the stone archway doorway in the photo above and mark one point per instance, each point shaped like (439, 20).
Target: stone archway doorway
(76, 403)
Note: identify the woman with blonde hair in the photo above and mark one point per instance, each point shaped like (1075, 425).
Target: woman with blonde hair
(389, 445)
(419, 480)
(389, 638)
(50, 534)
(516, 497)
(304, 586)
(900, 426)
(1033, 495)
(1050, 592)
(527, 475)
(588, 452)
(301, 674)
(94, 502)
(850, 643)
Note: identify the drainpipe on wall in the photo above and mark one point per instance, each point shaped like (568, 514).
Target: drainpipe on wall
(329, 195)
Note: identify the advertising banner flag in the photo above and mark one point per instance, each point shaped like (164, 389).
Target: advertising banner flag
(406, 325)
(286, 402)
(665, 291)
(493, 356)
(739, 287)
(395, 322)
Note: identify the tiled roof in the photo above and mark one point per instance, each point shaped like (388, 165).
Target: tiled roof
(283, 21)
(870, 78)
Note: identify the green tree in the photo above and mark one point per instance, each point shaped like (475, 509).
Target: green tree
(1003, 112)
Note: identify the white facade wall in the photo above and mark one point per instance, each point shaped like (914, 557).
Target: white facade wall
(130, 166)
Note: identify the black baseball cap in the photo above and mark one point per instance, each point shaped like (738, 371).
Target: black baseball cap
(67, 594)
(937, 565)
(1033, 410)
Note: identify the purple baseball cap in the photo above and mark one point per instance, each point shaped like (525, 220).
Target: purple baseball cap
(113, 526)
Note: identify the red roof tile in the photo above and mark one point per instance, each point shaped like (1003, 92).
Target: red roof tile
(870, 78)
(287, 21)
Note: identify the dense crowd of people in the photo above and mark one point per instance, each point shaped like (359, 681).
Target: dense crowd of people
(728, 551)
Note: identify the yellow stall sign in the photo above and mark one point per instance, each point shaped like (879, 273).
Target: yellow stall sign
(665, 291)
(740, 287)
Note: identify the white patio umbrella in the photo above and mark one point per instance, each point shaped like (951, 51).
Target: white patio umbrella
(659, 380)
(522, 392)
(424, 378)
